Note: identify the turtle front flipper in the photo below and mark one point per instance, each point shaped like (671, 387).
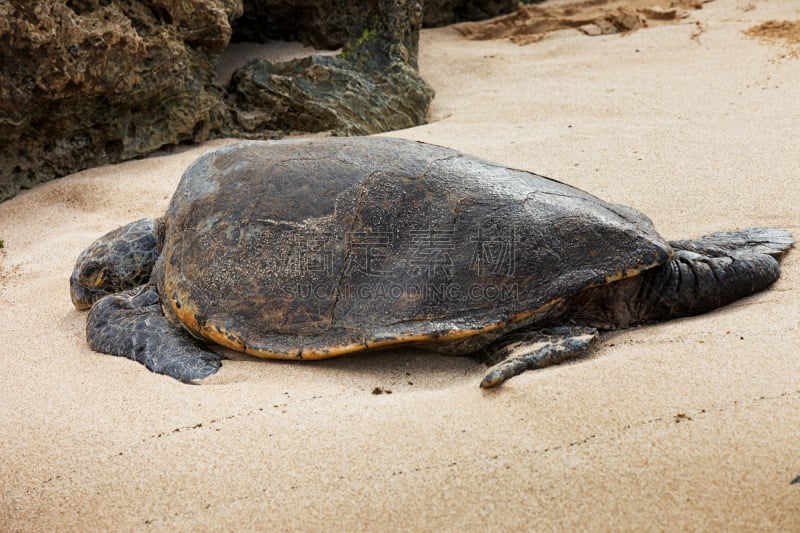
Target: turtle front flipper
(131, 324)
(531, 349)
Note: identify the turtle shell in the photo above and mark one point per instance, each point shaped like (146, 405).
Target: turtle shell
(318, 248)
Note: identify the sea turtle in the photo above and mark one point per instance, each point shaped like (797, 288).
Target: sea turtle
(318, 248)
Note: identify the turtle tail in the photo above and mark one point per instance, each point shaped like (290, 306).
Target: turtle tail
(711, 272)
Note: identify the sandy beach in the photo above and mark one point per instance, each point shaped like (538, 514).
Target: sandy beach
(692, 424)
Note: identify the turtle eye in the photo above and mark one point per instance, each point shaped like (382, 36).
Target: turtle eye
(92, 275)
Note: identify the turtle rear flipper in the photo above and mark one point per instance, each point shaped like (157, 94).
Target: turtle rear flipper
(530, 349)
(710, 272)
(131, 324)
(769, 241)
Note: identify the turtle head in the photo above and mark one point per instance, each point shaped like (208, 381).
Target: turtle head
(119, 260)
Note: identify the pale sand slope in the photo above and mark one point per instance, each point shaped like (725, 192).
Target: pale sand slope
(693, 424)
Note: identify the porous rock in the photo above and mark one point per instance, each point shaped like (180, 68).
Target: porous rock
(89, 82)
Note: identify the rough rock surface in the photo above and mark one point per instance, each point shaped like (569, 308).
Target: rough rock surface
(88, 82)
(324, 93)
(373, 86)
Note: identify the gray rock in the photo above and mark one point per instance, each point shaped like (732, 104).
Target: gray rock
(324, 93)
(373, 86)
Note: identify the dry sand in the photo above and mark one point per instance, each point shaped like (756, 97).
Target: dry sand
(689, 425)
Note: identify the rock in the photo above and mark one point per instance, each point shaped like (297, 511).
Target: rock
(324, 93)
(89, 82)
(372, 87)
